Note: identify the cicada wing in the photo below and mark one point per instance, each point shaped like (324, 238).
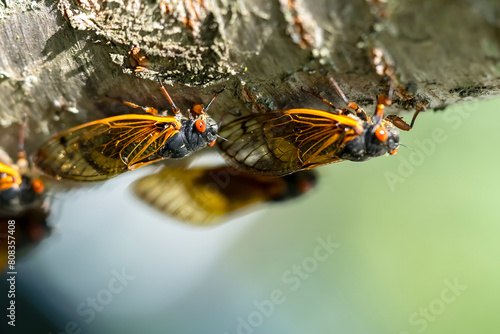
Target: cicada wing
(103, 149)
(284, 142)
(9, 177)
(209, 196)
(175, 193)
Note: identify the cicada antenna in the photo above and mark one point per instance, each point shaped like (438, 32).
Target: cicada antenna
(218, 136)
(408, 147)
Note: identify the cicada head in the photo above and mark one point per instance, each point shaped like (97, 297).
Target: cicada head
(297, 184)
(199, 132)
(377, 139)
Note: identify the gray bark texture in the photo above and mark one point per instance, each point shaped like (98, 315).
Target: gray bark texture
(72, 61)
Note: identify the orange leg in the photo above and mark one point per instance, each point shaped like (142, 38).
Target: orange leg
(350, 104)
(213, 98)
(198, 109)
(149, 110)
(22, 162)
(175, 109)
(384, 100)
(398, 122)
(322, 99)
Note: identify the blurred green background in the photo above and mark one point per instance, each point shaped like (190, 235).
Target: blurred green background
(416, 250)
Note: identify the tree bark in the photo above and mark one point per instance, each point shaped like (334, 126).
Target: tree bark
(68, 62)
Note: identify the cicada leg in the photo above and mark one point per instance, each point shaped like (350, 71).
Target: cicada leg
(350, 104)
(199, 109)
(317, 95)
(175, 109)
(149, 110)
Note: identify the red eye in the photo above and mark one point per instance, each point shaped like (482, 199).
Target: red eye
(37, 186)
(394, 152)
(200, 125)
(212, 143)
(381, 134)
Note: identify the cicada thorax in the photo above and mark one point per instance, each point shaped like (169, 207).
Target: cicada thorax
(376, 140)
(194, 135)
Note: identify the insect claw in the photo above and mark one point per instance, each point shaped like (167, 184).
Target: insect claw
(414, 118)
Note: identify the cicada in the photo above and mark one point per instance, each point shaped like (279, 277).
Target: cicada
(23, 206)
(286, 141)
(105, 148)
(19, 189)
(208, 196)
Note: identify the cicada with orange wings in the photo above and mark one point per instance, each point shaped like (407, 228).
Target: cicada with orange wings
(19, 188)
(23, 206)
(287, 141)
(18, 191)
(105, 148)
(208, 196)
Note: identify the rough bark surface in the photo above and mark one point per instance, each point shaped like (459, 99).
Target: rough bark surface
(72, 61)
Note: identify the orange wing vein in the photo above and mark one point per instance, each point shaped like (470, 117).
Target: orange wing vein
(284, 142)
(102, 149)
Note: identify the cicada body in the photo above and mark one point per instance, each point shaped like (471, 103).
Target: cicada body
(286, 141)
(19, 189)
(105, 148)
(15, 196)
(23, 207)
(208, 196)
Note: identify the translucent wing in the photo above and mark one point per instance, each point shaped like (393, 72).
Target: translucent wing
(105, 148)
(208, 196)
(283, 142)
